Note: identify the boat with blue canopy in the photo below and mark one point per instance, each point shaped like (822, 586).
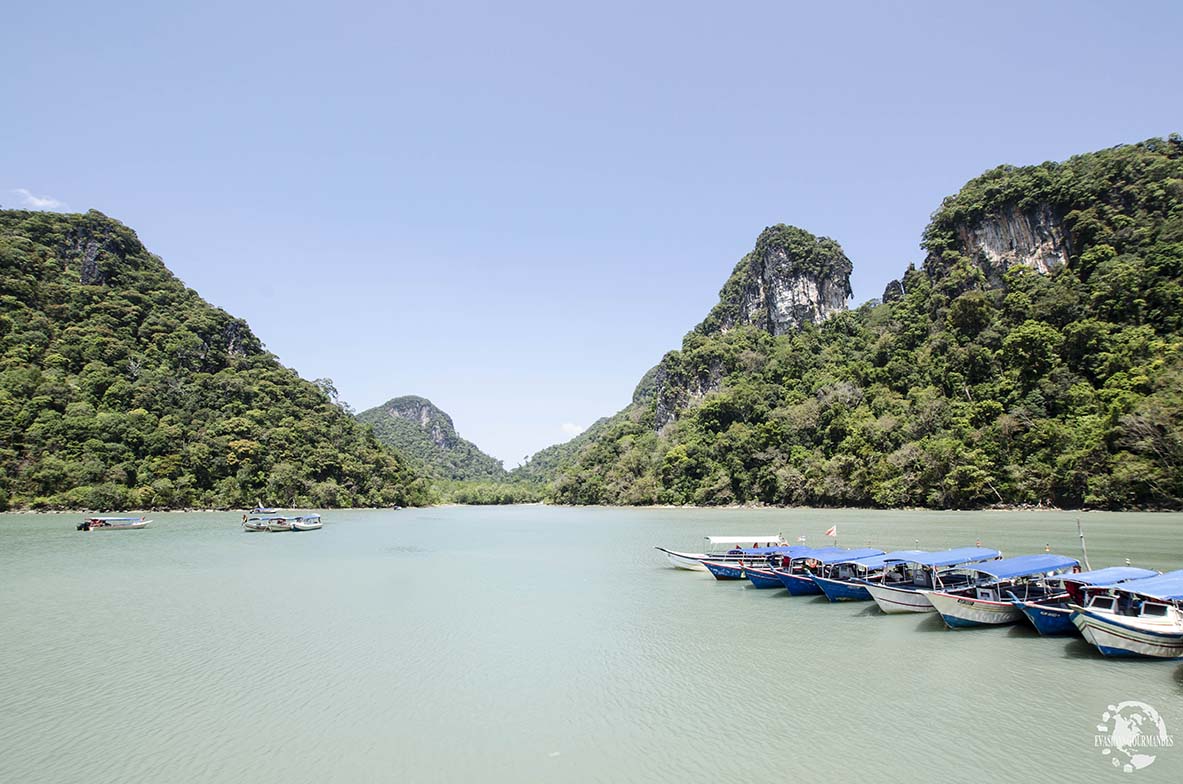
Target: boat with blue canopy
(844, 580)
(739, 558)
(1135, 618)
(763, 574)
(797, 575)
(985, 602)
(904, 588)
(1052, 615)
(719, 549)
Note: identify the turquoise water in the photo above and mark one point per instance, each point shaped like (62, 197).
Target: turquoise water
(536, 644)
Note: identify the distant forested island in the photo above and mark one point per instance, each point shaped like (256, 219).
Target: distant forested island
(1034, 357)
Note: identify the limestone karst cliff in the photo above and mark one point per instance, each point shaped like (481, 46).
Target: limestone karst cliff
(1032, 358)
(790, 278)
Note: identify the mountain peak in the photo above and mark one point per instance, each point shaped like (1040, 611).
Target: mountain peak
(418, 428)
(791, 278)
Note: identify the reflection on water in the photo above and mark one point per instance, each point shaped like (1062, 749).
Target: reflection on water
(531, 643)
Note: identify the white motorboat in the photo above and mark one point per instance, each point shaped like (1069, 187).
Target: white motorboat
(113, 524)
(306, 523)
(905, 590)
(279, 524)
(1135, 618)
(987, 601)
(732, 552)
(254, 524)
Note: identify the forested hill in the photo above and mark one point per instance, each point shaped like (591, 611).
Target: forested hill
(1036, 357)
(121, 388)
(416, 428)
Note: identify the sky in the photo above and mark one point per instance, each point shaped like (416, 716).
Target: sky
(514, 209)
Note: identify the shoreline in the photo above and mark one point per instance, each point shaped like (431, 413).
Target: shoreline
(690, 507)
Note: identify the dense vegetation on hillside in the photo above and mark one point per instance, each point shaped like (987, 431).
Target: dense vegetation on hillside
(417, 429)
(459, 472)
(976, 387)
(121, 388)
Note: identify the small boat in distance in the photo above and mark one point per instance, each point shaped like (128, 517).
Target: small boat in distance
(1054, 616)
(1136, 618)
(986, 601)
(309, 522)
(113, 524)
(694, 561)
(929, 572)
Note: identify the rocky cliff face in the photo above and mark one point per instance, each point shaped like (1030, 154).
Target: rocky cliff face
(791, 278)
(434, 423)
(1033, 237)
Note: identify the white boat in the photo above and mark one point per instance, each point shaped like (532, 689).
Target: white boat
(987, 601)
(1136, 618)
(278, 524)
(254, 524)
(113, 524)
(905, 589)
(306, 523)
(732, 550)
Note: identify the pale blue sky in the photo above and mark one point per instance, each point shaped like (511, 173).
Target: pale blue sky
(515, 208)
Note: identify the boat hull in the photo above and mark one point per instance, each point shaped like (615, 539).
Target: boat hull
(118, 527)
(962, 612)
(307, 526)
(840, 591)
(279, 527)
(798, 584)
(1047, 620)
(894, 600)
(689, 561)
(764, 579)
(725, 571)
(1112, 637)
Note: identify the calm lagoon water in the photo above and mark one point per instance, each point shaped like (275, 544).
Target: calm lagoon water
(536, 644)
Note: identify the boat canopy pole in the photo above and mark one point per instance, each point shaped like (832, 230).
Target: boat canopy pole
(1083, 548)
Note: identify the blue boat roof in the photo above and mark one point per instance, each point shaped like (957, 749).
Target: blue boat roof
(960, 555)
(1024, 565)
(842, 556)
(875, 561)
(1110, 575)
(1165, 586)
(761, 550)
(817, 552)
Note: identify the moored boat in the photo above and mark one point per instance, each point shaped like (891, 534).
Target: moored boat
(309, 522)
(844, 580)
(739, 559)
(694, 561)
(1053, 615)
(904, 590)
(1136, 618)
(797, 575)
(985, 601)
(278, 524)
(112, 524)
